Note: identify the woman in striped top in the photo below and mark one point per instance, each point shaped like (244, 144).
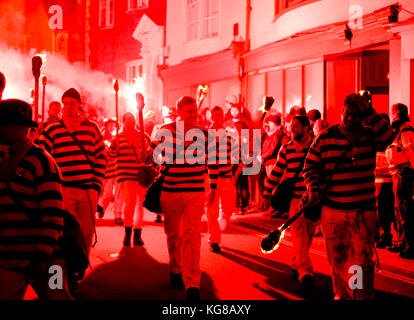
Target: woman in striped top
(349, 219)
(125, 149)
(31, 216)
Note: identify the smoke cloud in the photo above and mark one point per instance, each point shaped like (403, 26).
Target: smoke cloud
(95, 87)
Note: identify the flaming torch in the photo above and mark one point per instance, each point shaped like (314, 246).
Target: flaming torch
(116, 88)
(273, 240)
(36, 65)
(268, 102)
(44, 83)
(202, 92)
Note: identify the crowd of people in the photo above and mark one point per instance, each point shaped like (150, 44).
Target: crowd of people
(360, 169)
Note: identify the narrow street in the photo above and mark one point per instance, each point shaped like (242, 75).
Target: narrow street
(240, 272)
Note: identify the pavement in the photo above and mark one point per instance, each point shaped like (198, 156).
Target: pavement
(390, 263)
(240, 272)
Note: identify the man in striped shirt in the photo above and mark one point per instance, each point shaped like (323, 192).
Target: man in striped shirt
(183, 150)
(290, 161)
(78, 148)
(345, 156)
(225, 197)
(31, 216)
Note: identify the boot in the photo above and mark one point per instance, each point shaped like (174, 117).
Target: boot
(176, 281)
(127, 237)
(137, 238)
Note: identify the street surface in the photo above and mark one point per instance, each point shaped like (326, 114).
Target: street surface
(240, 272)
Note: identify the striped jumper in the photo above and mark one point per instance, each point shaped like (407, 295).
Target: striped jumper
(186, 160)
(352, 185)
(287, 164)
(76, 170)
(37, 183)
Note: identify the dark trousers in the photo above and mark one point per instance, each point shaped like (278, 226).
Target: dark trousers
(386, 210)
(403, 182)
(243, 193)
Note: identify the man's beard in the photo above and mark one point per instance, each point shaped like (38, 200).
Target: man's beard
(298, 137)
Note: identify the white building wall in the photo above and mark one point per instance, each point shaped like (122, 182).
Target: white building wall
(230, 12)
(267, 28)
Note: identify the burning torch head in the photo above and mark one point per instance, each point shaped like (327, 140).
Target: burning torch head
(140, 101)
(36, 65)
(2, 83)
(270, 243)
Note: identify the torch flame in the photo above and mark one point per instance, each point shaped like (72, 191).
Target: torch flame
(138, 85)
(43, 56)
(282, 235)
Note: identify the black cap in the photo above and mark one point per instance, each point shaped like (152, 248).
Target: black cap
(14, 111)
(72, 93)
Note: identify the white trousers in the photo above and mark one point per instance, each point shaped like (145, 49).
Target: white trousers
(225, 197)
(134, 196)
(107, 195)
(82, 204)
(182, 224)
(302, 231)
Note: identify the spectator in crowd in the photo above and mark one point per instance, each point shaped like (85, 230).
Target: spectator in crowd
(289, 163)
(402, 164)
(205, 118)
(183, 192)
(126, 150)
(234, 126)
(31, 209)
(78, 148)
(271, 142)
(54, 112)
(399, 116)
(349, 218)
(316, 121)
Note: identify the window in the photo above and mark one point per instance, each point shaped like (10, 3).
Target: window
(193, 16)
(106, 13)
(281, 5)
(210, 19)
(134, 71)
(137, 4)
(202, 19)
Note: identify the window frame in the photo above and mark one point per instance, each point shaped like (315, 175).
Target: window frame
(140, 5)
(139, 70)
(289, 5)
(201, 19)
(105, 22)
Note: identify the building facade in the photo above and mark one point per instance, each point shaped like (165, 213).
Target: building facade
(56, 26)
(297, 51)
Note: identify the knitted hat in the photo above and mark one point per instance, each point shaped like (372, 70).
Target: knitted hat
(72, 93)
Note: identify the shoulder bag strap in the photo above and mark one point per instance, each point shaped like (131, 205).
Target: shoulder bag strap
(338, 163)
(80, 146)
(302, 163)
